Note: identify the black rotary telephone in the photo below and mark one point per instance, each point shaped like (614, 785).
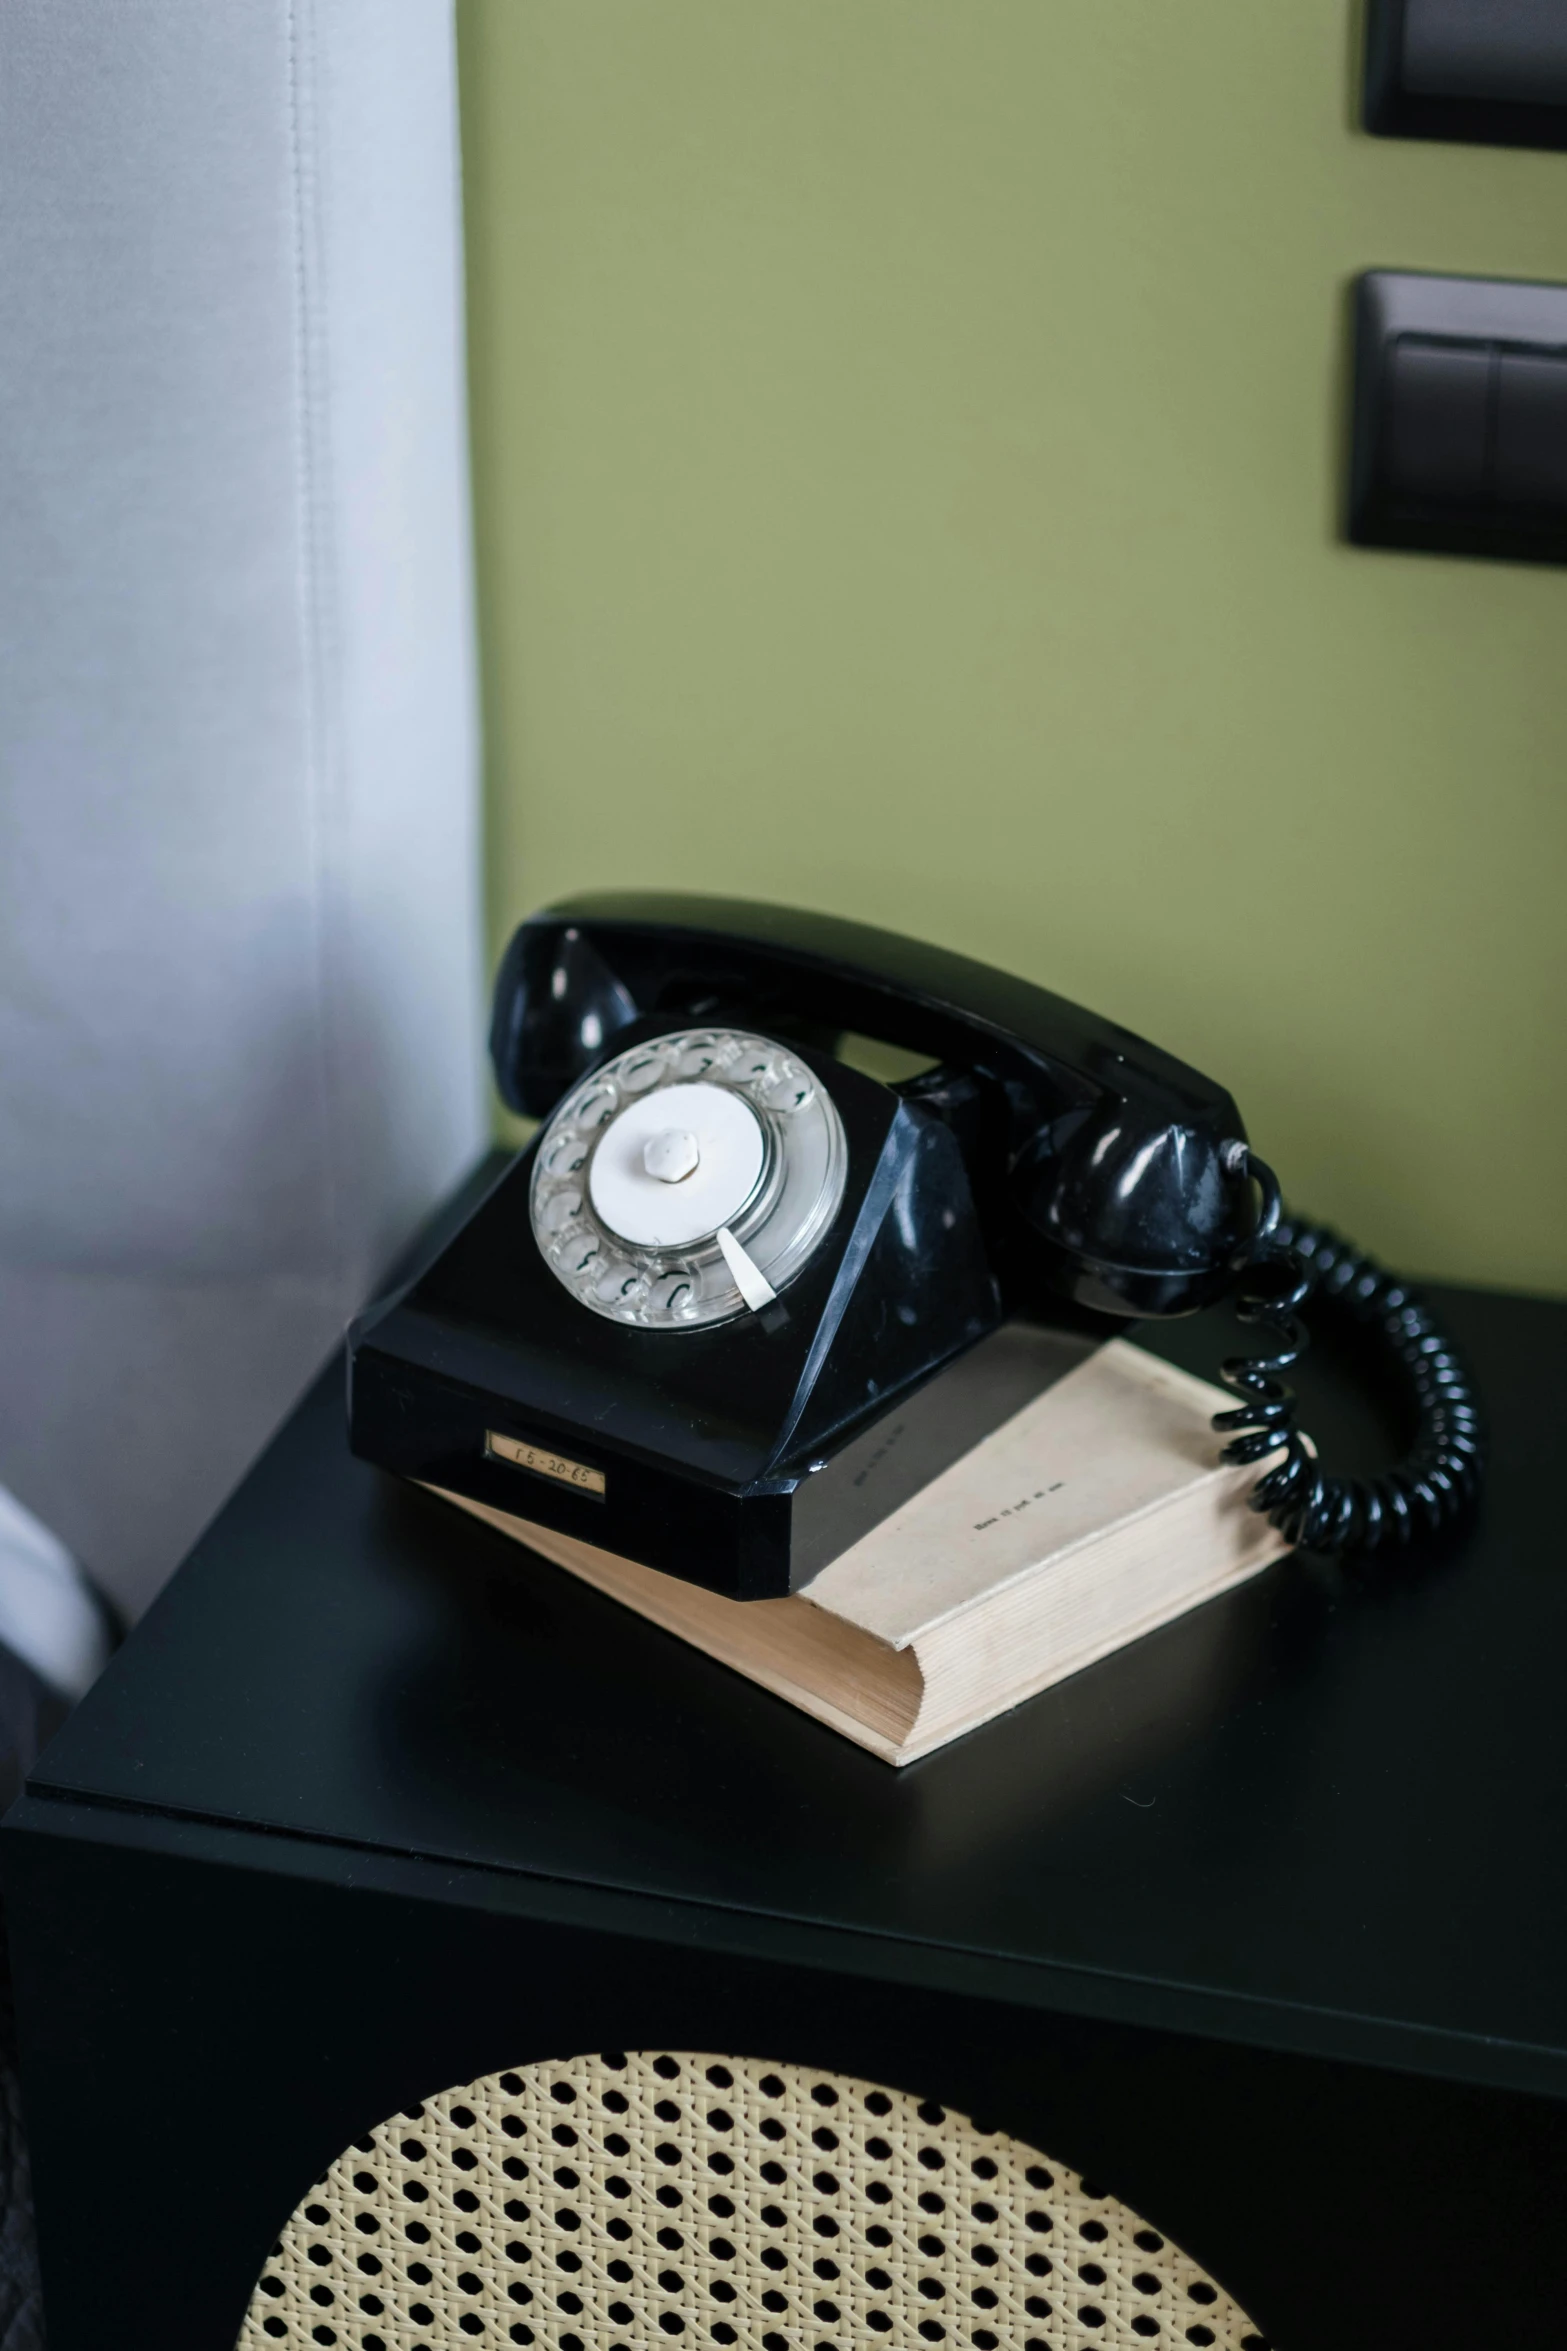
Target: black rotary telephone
(727, 1253)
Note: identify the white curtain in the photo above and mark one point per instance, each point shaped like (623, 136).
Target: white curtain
(239, 898)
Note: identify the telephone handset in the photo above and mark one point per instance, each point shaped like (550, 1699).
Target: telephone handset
(726, 1251)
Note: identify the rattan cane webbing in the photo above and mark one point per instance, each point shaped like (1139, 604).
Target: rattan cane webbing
(618, 2203)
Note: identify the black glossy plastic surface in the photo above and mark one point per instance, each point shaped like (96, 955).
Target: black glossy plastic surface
(1324, 1813)
(1460, 424)
(1050, 1163)
(1491, 71)
(700, 1437)
(1095, 1157)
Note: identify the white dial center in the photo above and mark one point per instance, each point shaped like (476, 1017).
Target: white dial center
(671, 1155)
(676, 1164)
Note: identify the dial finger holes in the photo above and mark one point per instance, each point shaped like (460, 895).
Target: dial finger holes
(700, 1056)
(564, 1155)
(596, 1107)
(789, 1090)
(557, 1211)
(673, 1294)
(580, 1254)
(619, 1284)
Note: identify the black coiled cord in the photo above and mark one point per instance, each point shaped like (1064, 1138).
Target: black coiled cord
(1441, 1473)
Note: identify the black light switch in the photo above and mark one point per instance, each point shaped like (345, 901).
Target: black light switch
(1494, 71)
(1460, 428)
(1436, 420)
(1531, 434)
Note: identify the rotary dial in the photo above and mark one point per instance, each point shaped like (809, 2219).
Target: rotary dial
(689, 1179)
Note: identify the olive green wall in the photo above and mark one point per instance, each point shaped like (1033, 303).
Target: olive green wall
(908, 436)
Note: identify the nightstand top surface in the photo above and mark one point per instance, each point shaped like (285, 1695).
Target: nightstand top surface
(1333, 1795)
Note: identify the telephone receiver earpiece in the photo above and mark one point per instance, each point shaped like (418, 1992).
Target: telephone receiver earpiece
(1098, 1162)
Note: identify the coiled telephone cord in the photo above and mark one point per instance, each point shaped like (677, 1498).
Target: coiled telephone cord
(1440, 1475)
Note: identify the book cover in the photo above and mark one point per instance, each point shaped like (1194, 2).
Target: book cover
(1036, 1506)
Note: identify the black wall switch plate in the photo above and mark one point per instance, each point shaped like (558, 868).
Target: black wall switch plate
(1493, 71)
(1460, 424)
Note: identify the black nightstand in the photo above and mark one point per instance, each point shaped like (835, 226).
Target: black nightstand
(1261, 1923)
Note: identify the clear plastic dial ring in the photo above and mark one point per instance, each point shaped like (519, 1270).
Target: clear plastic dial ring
(646, 1161)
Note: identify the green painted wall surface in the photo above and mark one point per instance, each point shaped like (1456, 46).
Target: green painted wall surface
(907, 447)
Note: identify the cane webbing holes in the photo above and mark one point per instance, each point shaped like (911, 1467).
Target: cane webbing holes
(923, 2230)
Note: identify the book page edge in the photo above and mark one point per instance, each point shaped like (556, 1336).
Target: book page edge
(1269, 1548)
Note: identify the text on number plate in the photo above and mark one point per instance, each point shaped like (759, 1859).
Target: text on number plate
(545, 1463)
